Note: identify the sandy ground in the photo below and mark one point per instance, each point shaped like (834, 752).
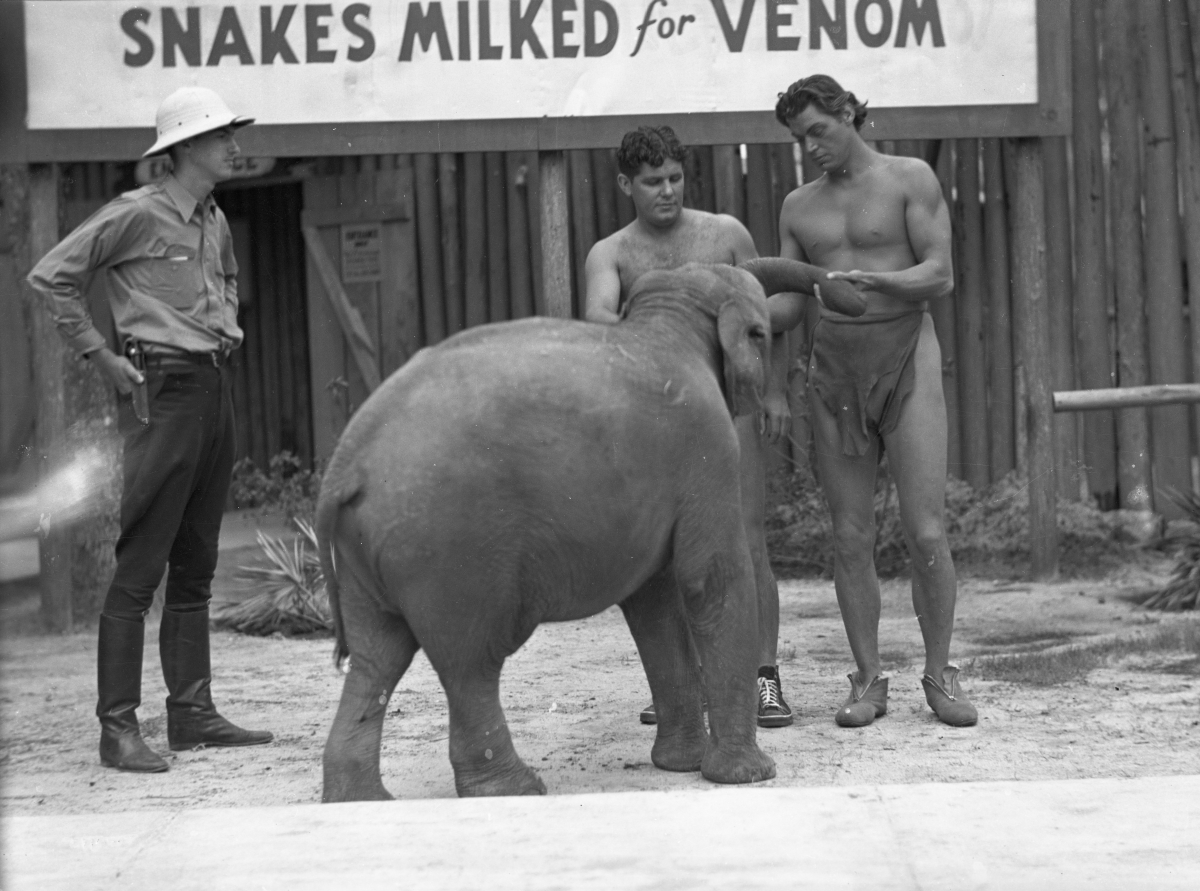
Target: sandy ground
(572, 695)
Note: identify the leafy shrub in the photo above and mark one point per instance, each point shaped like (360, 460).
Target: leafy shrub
(287, 486)
(988, 529)
(293, 599)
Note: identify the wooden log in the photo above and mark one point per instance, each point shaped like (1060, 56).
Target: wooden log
(452, 253)
(533, 209)
(1170, 427)
(49, 355)
(972, 377)
(1031, 317)
(944, 322)
(1093, 286)
(1181, 29)
(355, 192)
(1001, 432)
(400, 330)
(326, 346)
(583, 223)
(706, 170)
(555, 229)
(1126, 397)
(520, 271)
(626, 212)
(429, 237)
(604, 169)
(728, 182)
(1194, 17)
(761, 216)
(1125, 195)
(475, 239)
(1060, 282)
(497, 237)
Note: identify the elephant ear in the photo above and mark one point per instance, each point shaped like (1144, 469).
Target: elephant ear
(744, 344)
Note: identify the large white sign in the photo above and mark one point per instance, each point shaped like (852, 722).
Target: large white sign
(99, 63)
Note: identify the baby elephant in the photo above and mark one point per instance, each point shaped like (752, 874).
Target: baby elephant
(541, 471)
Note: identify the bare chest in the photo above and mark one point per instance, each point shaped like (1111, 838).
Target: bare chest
(851, 226)
(697, 246)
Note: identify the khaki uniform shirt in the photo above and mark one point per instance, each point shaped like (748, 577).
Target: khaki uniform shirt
(170, 270)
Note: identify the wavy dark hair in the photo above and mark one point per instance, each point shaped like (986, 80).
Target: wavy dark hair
(822, 91)
(649, 145)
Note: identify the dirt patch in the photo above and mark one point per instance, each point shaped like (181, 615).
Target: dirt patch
(572, 696)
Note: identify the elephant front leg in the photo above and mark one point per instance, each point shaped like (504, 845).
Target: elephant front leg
(654, 614)
(481, 749)
(717, 584)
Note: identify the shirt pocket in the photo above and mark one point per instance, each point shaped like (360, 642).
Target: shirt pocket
(174, 275)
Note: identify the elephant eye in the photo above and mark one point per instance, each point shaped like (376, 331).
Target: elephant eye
(757, 332)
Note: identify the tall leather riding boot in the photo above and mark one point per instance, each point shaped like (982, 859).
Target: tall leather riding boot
(119, 679)
(192, 720)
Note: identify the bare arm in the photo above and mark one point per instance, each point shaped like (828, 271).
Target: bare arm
(602, 283)
(927, 220)
(788, 309)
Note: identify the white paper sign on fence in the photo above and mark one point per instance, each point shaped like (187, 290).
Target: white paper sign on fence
(100, 64)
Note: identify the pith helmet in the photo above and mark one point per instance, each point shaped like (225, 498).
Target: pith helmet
(188, 112)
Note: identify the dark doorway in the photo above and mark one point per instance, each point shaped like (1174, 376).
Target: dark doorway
(271, 383)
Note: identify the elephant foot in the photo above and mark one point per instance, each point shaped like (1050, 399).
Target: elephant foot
(341, 788)
(515, 780)
(745, 764)
(682, 753)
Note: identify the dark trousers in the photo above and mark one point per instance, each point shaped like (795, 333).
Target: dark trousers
(177, 474)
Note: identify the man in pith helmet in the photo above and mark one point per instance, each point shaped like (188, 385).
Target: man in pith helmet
(166, 253)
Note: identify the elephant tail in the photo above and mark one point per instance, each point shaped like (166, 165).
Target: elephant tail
(329, 508)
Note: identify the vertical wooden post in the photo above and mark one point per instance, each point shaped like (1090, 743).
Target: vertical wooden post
(999, 315)
(1125, 191)
(729, 185)
(1169, 425)
(1092, 283)
(452, 269)
(583, 220)
(556, 233)
(520, 272)
(972, 383)
(48, 383)
(761, 218)
(475, 246)
(1060, 282)
(429, 237)
(497, 238)
(1181, 30)
(1031, 315)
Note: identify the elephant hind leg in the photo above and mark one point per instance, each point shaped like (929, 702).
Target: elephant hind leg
(655, 617)
(382, 648)
(481, 749)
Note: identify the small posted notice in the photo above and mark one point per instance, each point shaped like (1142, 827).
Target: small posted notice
(361, 261)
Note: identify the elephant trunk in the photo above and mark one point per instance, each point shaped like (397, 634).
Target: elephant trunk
(777, 275)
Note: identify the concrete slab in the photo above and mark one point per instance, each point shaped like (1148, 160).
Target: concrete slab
(1095, 834)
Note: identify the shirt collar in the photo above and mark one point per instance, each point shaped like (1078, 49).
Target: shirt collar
(185, 202)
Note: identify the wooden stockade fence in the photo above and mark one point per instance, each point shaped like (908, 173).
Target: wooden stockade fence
(1077, 263)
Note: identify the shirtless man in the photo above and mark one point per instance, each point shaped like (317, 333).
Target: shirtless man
(875, 382)
(666, 235)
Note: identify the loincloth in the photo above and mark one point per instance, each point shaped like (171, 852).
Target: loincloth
(863, 369)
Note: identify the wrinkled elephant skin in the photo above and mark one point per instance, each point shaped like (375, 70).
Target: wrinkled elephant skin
(541, 471)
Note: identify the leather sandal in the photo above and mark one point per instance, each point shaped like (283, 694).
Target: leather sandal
(864, 705)
(947, 699)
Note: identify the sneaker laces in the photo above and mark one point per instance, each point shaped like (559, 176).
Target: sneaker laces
(769, 693)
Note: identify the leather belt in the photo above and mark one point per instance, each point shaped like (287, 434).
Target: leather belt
(216, 358)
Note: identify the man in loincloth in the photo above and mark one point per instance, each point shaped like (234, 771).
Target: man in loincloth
(665, 235)
(875, 382)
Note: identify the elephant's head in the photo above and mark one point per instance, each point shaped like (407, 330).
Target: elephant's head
(778, 275)
(694, 297)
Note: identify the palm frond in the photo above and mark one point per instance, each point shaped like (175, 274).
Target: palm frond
(1182, 591)
(293, 598)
